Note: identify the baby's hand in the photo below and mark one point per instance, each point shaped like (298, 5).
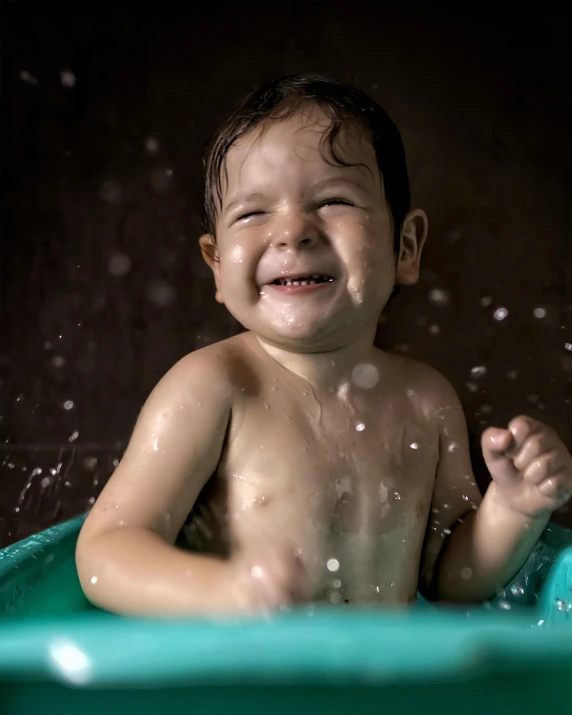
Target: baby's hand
(269, 578)
(530, 466)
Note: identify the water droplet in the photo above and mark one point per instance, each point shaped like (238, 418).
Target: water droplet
(517, 590)
(160, 180)
(91, 500)
(485, 409)
(466, 573)
(478, 371)
(111, 192)
(67, 78)
(500, 314)
(333, 565)
(68, 405)
(119, 264)
(337, 583)
(511, 374)
(360, 427)
(365, 376)
(453, 447)
(151, 145)
(568, 346)
(446, 531)
(73, 436)
(539, 313)
(465, 497)
(434, 329)
(36, 471)
(58, 361)
(541, 623)
(27, 77)
(90, 463)
(561, 605)
(335, 597)
(486, 301)
(391, 584)
(256, 572)
(504, 605)
(161, 293)
(397, 496)
(46, 481)
(439, 296)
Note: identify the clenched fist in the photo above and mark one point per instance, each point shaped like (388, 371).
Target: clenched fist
(530, 466)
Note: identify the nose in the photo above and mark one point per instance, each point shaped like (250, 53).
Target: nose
(296, 231)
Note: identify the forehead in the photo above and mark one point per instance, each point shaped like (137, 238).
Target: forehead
(297, 145)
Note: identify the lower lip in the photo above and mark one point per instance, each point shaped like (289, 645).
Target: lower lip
(299, 290)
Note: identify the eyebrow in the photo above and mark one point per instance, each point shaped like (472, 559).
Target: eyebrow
(240, 199)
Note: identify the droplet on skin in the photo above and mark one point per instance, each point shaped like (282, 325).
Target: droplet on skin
(256, 572)
(360, 427)
(453, 447)
(465, 497)
(68, 405)
(365, 375)
(119, 264)
(93, 579)
(500, 314)
(466, 573)
(333, 565)
(414, 445)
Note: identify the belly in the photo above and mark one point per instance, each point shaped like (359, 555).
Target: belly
(358, 546)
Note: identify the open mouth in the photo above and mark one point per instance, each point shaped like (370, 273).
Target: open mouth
(303, 280)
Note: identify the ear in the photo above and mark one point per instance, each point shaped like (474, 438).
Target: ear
(210, 254)
(413, 235)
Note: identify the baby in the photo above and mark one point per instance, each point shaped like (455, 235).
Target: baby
(314, 467)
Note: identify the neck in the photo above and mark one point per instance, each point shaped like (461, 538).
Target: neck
(330, 369)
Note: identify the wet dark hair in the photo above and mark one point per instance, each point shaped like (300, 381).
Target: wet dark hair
(341, 103)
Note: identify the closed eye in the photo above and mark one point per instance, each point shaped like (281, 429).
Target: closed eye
(250, 214)
(336, 202)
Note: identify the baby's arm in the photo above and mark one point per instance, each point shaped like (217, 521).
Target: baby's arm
(125, 555)
(488, 545)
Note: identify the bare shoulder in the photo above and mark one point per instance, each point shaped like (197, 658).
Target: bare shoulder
(216, 370)
(428, 386)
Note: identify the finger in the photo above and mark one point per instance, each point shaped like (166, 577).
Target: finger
(536, 444)
(556, 487)
(522, 427)
(542, 468)
(495, 444)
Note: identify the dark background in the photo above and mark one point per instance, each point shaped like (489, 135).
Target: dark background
(105, 109)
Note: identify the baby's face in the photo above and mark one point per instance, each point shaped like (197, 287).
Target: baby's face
(305, 246)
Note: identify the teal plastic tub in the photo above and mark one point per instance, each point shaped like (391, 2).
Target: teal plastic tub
(58, 654)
